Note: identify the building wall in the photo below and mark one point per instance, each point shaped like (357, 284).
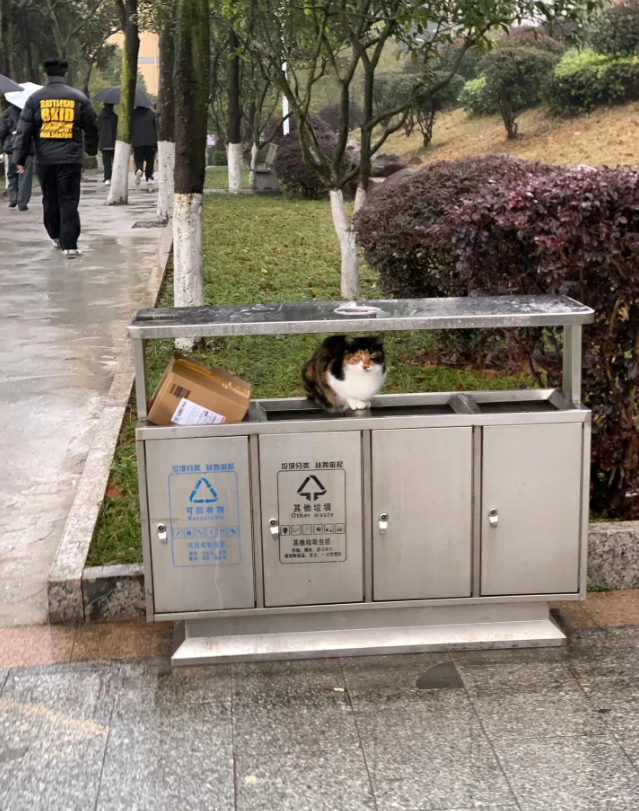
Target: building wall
(148, 58)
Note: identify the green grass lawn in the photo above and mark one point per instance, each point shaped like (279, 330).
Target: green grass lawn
(264, 249)
(217, 177)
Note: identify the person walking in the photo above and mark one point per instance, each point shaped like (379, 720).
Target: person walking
(144, 139)
(107, 127)
(18, 185)
(56, 117)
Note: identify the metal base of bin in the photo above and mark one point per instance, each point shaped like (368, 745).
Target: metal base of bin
(470, 627)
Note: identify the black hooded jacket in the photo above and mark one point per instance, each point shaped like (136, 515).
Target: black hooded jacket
(108, 126)
(8, 124)
(56, 117)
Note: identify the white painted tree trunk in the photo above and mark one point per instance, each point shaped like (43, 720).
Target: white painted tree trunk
(234, 155)
(166, 166)
(119, 188)
(254, 153)
(188, 284)
(348, 247)
(360, 198)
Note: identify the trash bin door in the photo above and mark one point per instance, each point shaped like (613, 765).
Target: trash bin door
(311, 486)
(531, 509)
(198, 489)
(422, 513)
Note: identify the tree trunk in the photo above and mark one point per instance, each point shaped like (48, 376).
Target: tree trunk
(254, 154)
(192, 67)
(119, 189)
(234, 139)
(348, 246)
(166, 117)
(360, 198)
(234, 156)
(6, 36)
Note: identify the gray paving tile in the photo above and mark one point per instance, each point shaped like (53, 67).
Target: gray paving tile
(389, 682)
(431, 757)
(81, 691)
(288, 729)
(169, 758)
(511, 655)
(309, 683)
(4, 675)
(153, 682)
(54, 729)
(570, 774)
(307, 781)
(530, 699)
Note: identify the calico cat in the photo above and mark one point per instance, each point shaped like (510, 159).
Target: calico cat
(345, 373)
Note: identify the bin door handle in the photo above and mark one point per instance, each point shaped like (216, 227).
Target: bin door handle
(162, 536)
(383, 523)
(493, 517)
(274, 527)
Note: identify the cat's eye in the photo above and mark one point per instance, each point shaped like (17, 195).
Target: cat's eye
(376, 355)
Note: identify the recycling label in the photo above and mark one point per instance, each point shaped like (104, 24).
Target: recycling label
(204, 515)
(312, 515)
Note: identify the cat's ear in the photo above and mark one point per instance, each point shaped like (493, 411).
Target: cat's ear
(350, 342)
(379, 340)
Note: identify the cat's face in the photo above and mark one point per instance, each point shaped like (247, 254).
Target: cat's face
(365, 354)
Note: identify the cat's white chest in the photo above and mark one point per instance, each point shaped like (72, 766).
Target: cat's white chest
(358, 387)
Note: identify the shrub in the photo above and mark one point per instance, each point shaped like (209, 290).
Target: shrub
(475, 97)
(219, 158)
(617, 31)
(331, 115)
(516, 77)
(572, 232)
(297, 179)
(467, 67)
(584, 80)
(295, 176)
(526, 37)
(393, 227)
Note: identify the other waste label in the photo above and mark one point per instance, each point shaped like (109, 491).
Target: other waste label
(312, 515)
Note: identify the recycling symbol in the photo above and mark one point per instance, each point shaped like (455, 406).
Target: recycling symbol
(203, 493)
(311, 488)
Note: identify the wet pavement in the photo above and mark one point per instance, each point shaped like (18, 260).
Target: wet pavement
(61, 332)
(530, 730)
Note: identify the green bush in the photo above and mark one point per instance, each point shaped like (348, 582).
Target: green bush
(584, 80)
(476, 99)
(617, 31)
(219, 158)
(516, 77)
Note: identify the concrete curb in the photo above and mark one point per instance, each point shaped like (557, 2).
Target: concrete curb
(64, 587)
(117, 592)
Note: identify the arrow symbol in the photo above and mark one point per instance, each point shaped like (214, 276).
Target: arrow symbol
(311, 488)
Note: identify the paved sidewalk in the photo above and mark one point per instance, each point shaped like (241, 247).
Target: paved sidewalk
(61, 330)
(103, 729)
(529, 730)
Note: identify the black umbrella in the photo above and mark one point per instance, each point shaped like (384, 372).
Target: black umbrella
(111, 95)
(7, 85)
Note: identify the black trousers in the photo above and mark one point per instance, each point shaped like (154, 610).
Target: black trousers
(107, 160)
(144, 155)
(60, 185)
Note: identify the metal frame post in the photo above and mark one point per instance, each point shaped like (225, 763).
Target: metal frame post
(571, 382)
(139, 358)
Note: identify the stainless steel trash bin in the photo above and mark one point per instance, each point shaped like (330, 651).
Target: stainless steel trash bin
(429, 521)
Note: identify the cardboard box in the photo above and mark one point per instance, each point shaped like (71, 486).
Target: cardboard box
(192, 394)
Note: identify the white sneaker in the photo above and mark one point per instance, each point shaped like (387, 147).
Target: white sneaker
(138, 177)
(72, 253)
(56, 243)
(107, 182)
